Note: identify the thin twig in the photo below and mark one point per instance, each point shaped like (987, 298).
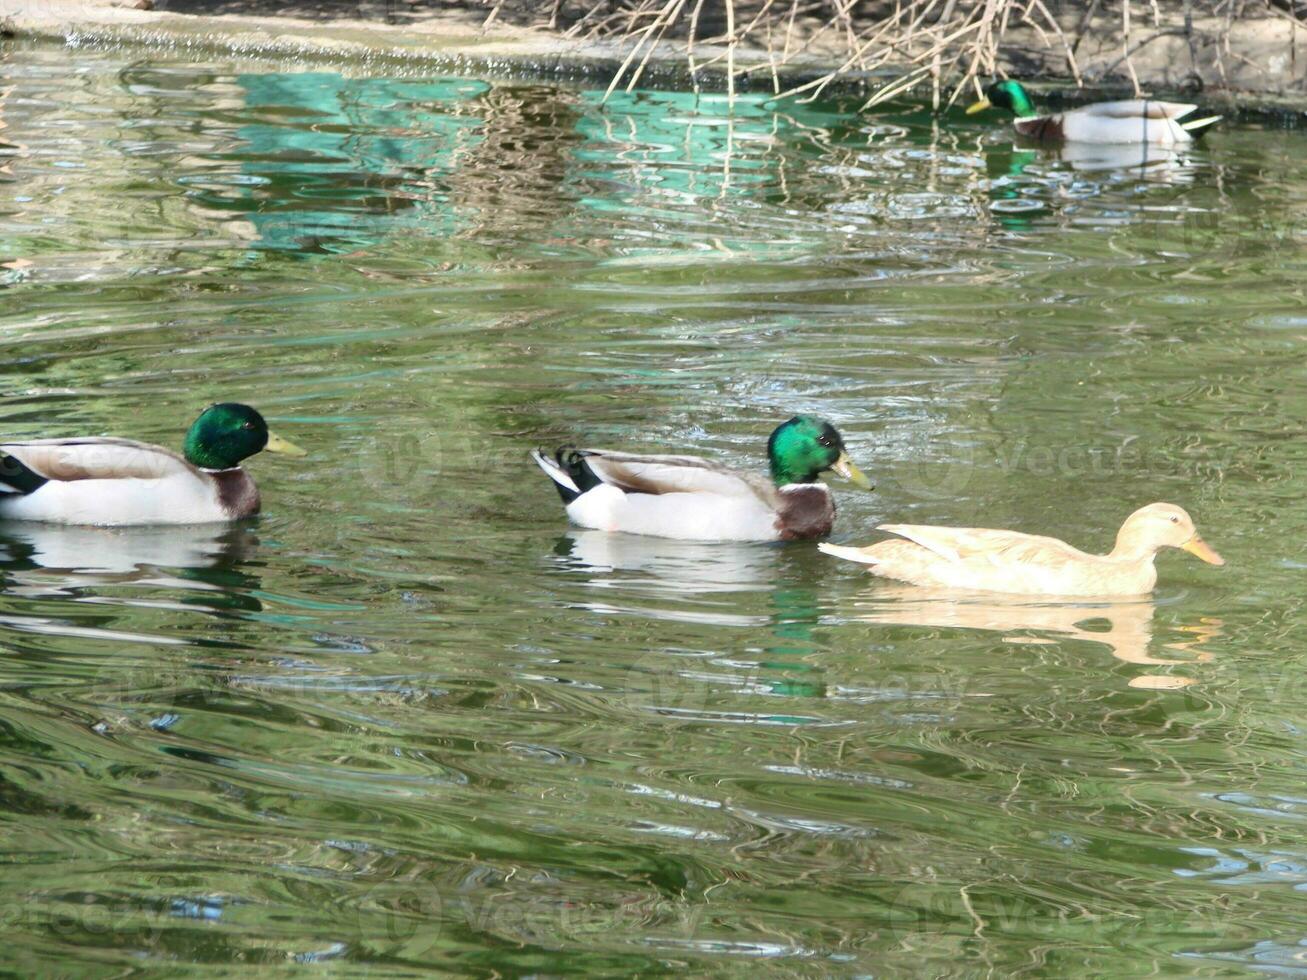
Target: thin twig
(635, 50)
(1125, 46)
(1125, 58)
(490, 19)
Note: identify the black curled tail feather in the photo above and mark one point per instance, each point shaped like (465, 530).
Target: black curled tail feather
(573, 462)
(568, 469)
(17, 477)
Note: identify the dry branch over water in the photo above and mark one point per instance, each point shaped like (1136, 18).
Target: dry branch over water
(941, 46)
(1241, 53)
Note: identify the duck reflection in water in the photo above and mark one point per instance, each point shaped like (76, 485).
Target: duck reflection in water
(1163, 163)
(40, 559)
(741, 584)
(671, 565)
(1128, 636)
(1020, 188)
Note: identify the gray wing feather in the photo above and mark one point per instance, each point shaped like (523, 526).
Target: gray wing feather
(659, 474)
(97, 459)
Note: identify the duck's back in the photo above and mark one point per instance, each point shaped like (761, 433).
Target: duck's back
(116, 482)
(1124, 121)
(1001, 561)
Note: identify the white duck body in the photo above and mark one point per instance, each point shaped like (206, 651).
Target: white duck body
(120, 482)
(1124, 121)
(685, 497)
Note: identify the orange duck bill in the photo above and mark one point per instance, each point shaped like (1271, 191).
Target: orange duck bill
(1199, 548)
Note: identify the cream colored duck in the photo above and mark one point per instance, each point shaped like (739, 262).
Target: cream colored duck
(696, 499)
(1125, 121)
(984, 559)
(119, 482)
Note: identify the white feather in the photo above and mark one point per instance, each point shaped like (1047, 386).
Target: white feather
(554, 471)
(688, 516)
(851, 554)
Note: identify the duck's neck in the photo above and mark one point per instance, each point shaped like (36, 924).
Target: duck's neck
(785, 474)
(1130, 548)
(1022, 107)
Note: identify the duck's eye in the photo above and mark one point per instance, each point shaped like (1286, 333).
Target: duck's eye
(1174, 519)
(248, 425)
(825, 441)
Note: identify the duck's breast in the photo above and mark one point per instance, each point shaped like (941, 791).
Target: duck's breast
(806, 511)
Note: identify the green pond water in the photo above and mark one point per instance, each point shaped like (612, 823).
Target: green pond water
(409, 721)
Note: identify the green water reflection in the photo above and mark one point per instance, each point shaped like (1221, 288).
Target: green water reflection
(408, 720)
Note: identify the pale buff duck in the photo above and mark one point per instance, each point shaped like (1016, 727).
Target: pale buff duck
(990, 560)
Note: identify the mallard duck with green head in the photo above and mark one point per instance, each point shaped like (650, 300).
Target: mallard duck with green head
(1124, 121)
(119, 482)
(696, 499)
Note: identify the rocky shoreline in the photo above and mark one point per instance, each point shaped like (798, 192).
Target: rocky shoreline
(1259, 68)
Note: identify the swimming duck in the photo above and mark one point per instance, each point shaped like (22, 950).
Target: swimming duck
(120, 482)
(983, 559)
(1126, 121)
(696, 499)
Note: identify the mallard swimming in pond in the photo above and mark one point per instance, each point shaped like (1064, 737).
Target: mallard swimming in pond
(983, 559)
(1126, 121)
(120, 482)
(692, 498)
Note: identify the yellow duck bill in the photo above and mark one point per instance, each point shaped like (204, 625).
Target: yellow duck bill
(276, 444)
(1199, 548)
(980, 106)
(845, 468)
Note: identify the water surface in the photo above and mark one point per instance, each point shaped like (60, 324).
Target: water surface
(408, 720)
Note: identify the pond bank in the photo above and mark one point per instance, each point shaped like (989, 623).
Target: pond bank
(1257, 67)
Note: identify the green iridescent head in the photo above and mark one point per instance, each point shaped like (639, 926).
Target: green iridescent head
(803, 448)
(229, 432)
(1006, 94)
